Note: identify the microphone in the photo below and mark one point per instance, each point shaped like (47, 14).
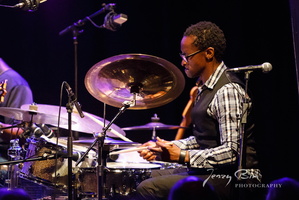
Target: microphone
(113, 21)
(38, 130)
(73, 97)
(63, 154)
(265, 67)
(34, 130)
(28, 5)
(46, 131)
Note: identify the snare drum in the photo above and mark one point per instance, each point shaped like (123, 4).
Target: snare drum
(51, 172)
(123, 178)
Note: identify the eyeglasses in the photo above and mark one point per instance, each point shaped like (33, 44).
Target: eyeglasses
(185, 58)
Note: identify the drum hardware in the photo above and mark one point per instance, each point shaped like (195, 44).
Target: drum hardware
(72, 101)
(74, 28)
(14, 152)
(101, 161)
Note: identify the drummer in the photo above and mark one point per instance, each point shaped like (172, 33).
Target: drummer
(212, 152)
(15, 91)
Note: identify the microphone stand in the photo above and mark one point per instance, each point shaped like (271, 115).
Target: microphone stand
(69, 107)
(39, 158)
(245, 106)
(100, 140)
(76, 32)
(82, 22)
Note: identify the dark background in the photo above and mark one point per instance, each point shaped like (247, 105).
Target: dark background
(256, 31)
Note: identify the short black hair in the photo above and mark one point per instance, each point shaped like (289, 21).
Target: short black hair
(207, 35)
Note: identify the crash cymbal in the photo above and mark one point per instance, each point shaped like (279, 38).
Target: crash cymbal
(28, 115)
(152, 126)
(84, 125)
(147, 80)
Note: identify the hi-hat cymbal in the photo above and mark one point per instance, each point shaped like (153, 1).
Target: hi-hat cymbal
(84, 125)
(28, 115)
(148, 80)
(152, 126)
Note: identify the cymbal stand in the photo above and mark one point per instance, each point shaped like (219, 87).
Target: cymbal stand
(101, 161)
(155, 118)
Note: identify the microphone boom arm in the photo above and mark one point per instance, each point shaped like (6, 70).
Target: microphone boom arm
(82, 22)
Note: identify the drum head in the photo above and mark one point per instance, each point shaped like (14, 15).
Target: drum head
(119, 165)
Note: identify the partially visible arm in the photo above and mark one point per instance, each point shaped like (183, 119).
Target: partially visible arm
(186, 115)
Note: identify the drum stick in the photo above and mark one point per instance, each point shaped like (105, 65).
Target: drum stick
(116, 133)
(128, 150)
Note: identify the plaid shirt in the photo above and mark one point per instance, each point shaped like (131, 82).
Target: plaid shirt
(226, 108)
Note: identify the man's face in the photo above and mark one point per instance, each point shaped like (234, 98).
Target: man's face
(194, 60)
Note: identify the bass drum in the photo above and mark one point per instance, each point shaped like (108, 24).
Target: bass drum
(52, 171)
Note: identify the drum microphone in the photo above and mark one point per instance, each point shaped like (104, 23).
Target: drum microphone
(64, 154)
(37, 130)
(34, 130)
(46, 130)
(113, 21)
(265, 67)
(73, 97)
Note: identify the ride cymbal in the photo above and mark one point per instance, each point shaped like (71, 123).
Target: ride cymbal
(147, 80)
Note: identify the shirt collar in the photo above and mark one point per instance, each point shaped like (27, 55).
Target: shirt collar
(210, 83)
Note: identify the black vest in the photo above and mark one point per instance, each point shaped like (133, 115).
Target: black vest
(206, 128)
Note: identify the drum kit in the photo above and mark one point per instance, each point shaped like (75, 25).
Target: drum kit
(126, 81)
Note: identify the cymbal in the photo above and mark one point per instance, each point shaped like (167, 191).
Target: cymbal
(84, 125)
(107, 141)
(27, 115)
(152, 126)
(147, 80)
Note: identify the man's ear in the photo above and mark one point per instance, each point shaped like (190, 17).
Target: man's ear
(210, 53)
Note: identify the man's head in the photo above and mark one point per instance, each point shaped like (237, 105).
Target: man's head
(208, 34)
(203, 45)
